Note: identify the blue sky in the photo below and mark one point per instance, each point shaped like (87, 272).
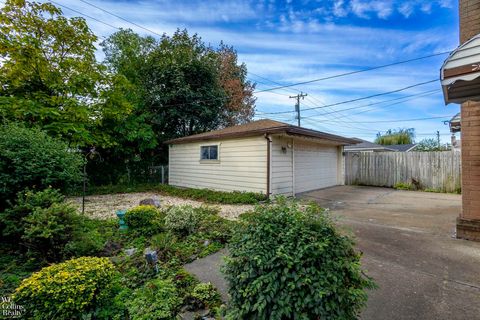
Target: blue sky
(284, 42)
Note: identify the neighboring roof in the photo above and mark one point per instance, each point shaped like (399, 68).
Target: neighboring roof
(366, 145)
(460, 73)
(403, 147)
(260, 127)
(455, 123)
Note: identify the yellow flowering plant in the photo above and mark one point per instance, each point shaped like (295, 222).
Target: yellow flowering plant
(68, 290)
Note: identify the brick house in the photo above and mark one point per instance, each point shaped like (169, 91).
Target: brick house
(461, 84)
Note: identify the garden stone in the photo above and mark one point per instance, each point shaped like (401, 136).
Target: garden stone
(150, 202)
(130, 252)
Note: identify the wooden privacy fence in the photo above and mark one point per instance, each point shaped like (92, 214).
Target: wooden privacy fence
(440, 171)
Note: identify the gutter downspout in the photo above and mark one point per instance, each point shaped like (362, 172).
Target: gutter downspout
(269, 142)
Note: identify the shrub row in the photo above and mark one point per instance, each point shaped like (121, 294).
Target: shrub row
(206, 195)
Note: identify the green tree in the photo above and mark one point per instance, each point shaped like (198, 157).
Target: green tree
(50, 77)
(179, 86)
(398, 136)
(182, 86)
(430, 144)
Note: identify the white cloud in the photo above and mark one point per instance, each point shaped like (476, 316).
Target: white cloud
(361, 8)
(406, 9)
(339, 9)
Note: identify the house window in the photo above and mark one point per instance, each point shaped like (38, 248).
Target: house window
(209, 153)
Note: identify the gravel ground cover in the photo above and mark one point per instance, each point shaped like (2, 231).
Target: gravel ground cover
(105, 206)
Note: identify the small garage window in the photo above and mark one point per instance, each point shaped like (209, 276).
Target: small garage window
(209, 152)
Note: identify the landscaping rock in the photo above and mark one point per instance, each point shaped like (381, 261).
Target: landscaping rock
(111, 249)
(130, 252)
(104, 206)
(150, 202)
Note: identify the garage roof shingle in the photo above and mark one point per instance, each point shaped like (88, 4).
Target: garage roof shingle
(259, 127)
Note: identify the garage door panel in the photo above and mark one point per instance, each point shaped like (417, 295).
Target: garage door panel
(315, 167)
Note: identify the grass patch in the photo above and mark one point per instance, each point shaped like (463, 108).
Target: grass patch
(404, 186)
(205, 195)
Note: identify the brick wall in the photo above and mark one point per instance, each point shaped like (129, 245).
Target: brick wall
(471, 160)
(468, 224)
(469, 19)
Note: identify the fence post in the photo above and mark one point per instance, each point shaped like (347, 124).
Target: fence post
(163, 175)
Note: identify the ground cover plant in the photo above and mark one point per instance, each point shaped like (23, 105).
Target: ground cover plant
(288, 262)
(66, 290)
(205, 195)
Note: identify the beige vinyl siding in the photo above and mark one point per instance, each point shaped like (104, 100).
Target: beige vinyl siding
(282, 166)
(316, 166)
(242, 165)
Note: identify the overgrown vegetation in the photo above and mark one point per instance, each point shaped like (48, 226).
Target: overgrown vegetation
(29, 158)
(291, 263)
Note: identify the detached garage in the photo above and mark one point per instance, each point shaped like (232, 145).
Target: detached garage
(263, 156)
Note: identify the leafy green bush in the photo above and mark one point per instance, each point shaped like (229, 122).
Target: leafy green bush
(68, 290)
(12, 224)
(184, 220)
(146, 219)
(207, 295)
(157, 299)
(216, 228)
(289, 263)
(48, 230)
(31, 159)
(41, 224)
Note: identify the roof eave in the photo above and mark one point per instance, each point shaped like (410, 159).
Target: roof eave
(284, 129)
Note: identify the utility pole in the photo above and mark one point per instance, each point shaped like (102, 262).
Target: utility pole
(438, 139)
(299, 96)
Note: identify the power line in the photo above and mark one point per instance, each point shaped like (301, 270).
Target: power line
(119, 17)
(404, 99)
(415, 96)
(358, 71)
(403, 120)
(85, 15)
(265, 90)
(359, 99)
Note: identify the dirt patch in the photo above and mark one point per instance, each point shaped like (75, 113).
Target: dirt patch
(105, 206)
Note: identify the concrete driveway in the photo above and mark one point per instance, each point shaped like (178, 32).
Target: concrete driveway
(408, 245)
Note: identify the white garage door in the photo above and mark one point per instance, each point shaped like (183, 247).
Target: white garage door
(315, 166)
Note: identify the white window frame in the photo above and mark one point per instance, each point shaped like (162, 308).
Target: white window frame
(210, 160)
